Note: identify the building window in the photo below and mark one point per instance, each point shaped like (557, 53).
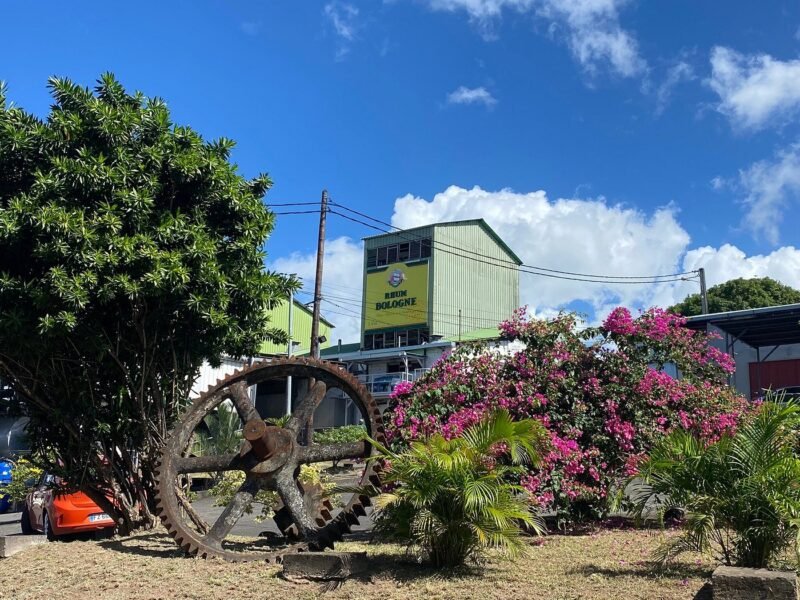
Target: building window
(405, 251)
(395, 339)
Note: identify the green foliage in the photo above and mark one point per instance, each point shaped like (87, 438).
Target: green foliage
(450, 500)
(740, 294)
(740, 494)
(340, 435)
(22, 474)
(267, 500)
(224, 432)
(130, 251)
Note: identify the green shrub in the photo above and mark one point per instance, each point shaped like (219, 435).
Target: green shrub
(340, 435)
(21, 475)
(741, 493)
(451, 500)
(230, 482)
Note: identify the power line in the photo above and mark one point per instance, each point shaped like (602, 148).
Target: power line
(495, 262)
(648, 278)
(297, 212)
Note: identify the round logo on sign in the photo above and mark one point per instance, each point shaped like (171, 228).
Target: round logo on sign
(396, 278)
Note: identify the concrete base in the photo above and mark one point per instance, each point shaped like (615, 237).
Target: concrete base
(323, 566)
(736, 583)
(11, 544)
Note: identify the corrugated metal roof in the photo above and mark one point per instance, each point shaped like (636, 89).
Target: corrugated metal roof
(756, 327)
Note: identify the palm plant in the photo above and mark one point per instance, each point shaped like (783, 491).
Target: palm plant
(450, 500)
(741, 494)
(224, 432)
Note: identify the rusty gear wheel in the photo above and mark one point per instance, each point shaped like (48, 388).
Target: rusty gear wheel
(270, 458)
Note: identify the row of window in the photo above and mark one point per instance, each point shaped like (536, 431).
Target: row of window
(396, 339)
(386, 255)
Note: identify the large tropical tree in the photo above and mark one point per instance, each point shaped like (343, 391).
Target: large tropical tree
(130, 251)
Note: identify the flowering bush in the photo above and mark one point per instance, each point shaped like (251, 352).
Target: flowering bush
(602, 393)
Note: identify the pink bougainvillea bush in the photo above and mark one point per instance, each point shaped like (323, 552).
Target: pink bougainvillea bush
(604, 394)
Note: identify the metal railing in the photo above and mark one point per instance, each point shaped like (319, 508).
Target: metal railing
(383, 384)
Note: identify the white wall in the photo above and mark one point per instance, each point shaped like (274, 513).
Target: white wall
(208, 375)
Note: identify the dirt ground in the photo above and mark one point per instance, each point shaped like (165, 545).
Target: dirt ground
(607, 564)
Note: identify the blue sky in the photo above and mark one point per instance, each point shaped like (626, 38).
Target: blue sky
(601, 136)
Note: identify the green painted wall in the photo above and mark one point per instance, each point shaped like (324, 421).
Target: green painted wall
(485, 290)
(301, 329)
(485, 293)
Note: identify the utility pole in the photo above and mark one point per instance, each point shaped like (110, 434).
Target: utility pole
(323, 212)
(289, 353)
(703, 292)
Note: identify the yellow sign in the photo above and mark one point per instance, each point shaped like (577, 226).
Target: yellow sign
(397, 296)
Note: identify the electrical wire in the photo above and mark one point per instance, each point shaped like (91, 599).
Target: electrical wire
(397, 229)
(494, 262)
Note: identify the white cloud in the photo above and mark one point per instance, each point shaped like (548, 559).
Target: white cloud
(341, 283)
(769, 186)
(754, 90)
(587, 236)
(579, 235)
(343, 17)
(250, 27)
(676, 74)
(590, 27)
(591, 236)
(718, 182)
(465, 95)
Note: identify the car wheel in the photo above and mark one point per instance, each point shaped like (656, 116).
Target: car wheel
(48, 528)
(25, 522)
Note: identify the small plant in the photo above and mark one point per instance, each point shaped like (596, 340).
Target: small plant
(230, 482)
(741, 494)
(340, 435)
(22, 474)
(224, 432)
(451, 500)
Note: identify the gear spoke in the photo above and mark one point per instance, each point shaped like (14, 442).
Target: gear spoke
(307, 406)
(325, 452)
(240, 396)
(293, 501)
(235, 509)
(305, 513)
(203, 464)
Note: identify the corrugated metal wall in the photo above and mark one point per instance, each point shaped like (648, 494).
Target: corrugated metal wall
(208, 375)
(301, 329)
(485, 293)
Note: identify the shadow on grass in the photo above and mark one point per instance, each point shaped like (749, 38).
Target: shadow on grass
(160, 545)
(404, 568)
(654, 571)
(673, 571)
(155, 545)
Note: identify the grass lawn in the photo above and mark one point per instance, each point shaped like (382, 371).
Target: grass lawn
(608, 564)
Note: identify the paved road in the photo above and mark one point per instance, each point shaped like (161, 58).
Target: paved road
(9, 523)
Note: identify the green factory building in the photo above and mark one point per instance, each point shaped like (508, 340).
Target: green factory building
(442, 281)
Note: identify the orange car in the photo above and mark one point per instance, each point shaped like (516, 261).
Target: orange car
(55, 513)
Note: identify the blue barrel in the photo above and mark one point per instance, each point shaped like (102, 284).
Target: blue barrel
(5, 478)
